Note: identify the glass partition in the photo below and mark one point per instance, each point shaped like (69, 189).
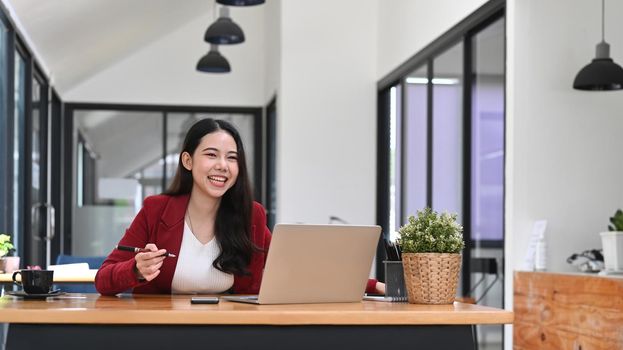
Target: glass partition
(447, 181)
(114, 154)
(395, 165)
(487, 170)
(19, 118)
(442, 129)
(121, 157)
(4, 126)
(488, 134)
(415, 129)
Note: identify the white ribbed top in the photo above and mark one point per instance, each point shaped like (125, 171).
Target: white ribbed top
(194, 273)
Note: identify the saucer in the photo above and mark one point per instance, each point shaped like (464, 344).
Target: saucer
(22, 294)
(611, 273)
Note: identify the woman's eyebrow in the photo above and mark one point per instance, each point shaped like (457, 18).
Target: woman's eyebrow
(210, 149)
(217, 150)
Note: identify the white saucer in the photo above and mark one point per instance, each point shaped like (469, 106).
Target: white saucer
(611, 273)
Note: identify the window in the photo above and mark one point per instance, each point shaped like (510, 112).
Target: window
(447, 135)
(123, 154)
(19, 118)
(441, 145)
(4, 126)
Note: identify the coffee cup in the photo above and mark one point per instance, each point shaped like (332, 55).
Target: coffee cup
(35, 281)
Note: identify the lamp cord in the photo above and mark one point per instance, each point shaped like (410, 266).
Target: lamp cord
(603, 11)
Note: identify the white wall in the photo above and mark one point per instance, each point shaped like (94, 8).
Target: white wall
(563, 145)
(327, 118)
(407, 26)
(164, 72)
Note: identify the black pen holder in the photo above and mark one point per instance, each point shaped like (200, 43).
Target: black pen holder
(394, 279)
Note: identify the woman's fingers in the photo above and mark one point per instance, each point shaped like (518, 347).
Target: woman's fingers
(151, 246)
(153, 268)
(154, 251)
(152, 276)
(148, 263)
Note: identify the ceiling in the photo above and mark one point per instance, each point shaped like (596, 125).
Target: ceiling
(78, 38)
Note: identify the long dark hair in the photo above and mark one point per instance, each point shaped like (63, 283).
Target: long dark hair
(233, 218)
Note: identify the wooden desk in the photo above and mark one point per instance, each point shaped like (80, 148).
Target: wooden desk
(86, 276)
(164, 321)
(567, 311)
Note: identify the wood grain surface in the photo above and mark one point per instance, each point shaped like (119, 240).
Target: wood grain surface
(176, 309)
(567, 311)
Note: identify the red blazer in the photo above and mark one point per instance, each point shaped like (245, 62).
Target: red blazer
(161, 221)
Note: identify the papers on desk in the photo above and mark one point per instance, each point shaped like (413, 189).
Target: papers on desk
(78, 272)
(77, 267)
(69, 267)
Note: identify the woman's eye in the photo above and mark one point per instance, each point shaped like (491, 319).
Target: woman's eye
(233, 158)
(211, 155)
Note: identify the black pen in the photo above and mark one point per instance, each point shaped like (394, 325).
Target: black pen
(139, 250)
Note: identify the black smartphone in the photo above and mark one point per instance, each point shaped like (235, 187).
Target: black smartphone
(204, 300)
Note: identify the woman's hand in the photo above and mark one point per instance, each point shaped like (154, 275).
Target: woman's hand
(148, 264)
(380, 288)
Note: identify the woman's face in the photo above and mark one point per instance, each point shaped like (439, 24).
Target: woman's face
(214, 164)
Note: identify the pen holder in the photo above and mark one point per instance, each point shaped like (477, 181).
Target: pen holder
(394, 279)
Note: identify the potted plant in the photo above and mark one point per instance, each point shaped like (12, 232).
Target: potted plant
(8, 264)
(431, 246)
(612, 244)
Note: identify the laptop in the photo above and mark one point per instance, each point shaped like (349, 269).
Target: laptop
(316, 264)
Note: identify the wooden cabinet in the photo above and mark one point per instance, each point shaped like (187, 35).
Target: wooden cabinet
(567, 311)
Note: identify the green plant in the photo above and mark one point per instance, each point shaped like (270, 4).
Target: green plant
(617, 221)
(431, 232)
(5, 244)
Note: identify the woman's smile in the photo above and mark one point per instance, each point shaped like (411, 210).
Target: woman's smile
(217, 180)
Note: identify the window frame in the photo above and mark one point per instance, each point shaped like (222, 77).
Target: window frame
(68, 151)
(464, 31)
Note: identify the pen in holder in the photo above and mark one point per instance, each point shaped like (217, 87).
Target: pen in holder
(394, 280)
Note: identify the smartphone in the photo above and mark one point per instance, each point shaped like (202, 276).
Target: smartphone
(204, 300)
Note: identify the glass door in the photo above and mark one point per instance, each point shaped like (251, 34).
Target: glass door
(18, 116)
(38, 219)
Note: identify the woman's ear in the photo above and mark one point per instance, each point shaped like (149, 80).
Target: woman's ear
(187, 161)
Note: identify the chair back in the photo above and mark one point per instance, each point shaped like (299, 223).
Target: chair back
(94, 263)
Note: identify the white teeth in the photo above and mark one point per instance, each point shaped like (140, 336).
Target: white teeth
(217, 178)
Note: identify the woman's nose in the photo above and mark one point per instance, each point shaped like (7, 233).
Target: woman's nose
(221, 164)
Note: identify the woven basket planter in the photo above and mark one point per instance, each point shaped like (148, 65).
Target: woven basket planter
(431, 278)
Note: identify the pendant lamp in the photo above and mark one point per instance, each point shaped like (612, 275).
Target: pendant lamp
(240, 2)
(213, 62)
(602, 73)
(224, 30)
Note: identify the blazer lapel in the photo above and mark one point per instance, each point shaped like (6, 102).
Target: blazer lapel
(169, 236)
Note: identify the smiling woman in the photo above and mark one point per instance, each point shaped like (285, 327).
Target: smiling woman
(211, 224)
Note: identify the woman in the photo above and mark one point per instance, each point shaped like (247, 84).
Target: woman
(206, 218)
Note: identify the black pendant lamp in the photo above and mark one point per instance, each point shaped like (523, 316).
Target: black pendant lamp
(240, 2)
(602, 73)
(213, 62)
(224, 31)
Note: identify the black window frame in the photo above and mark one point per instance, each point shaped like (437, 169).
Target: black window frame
(67, 148)
(463, 31)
